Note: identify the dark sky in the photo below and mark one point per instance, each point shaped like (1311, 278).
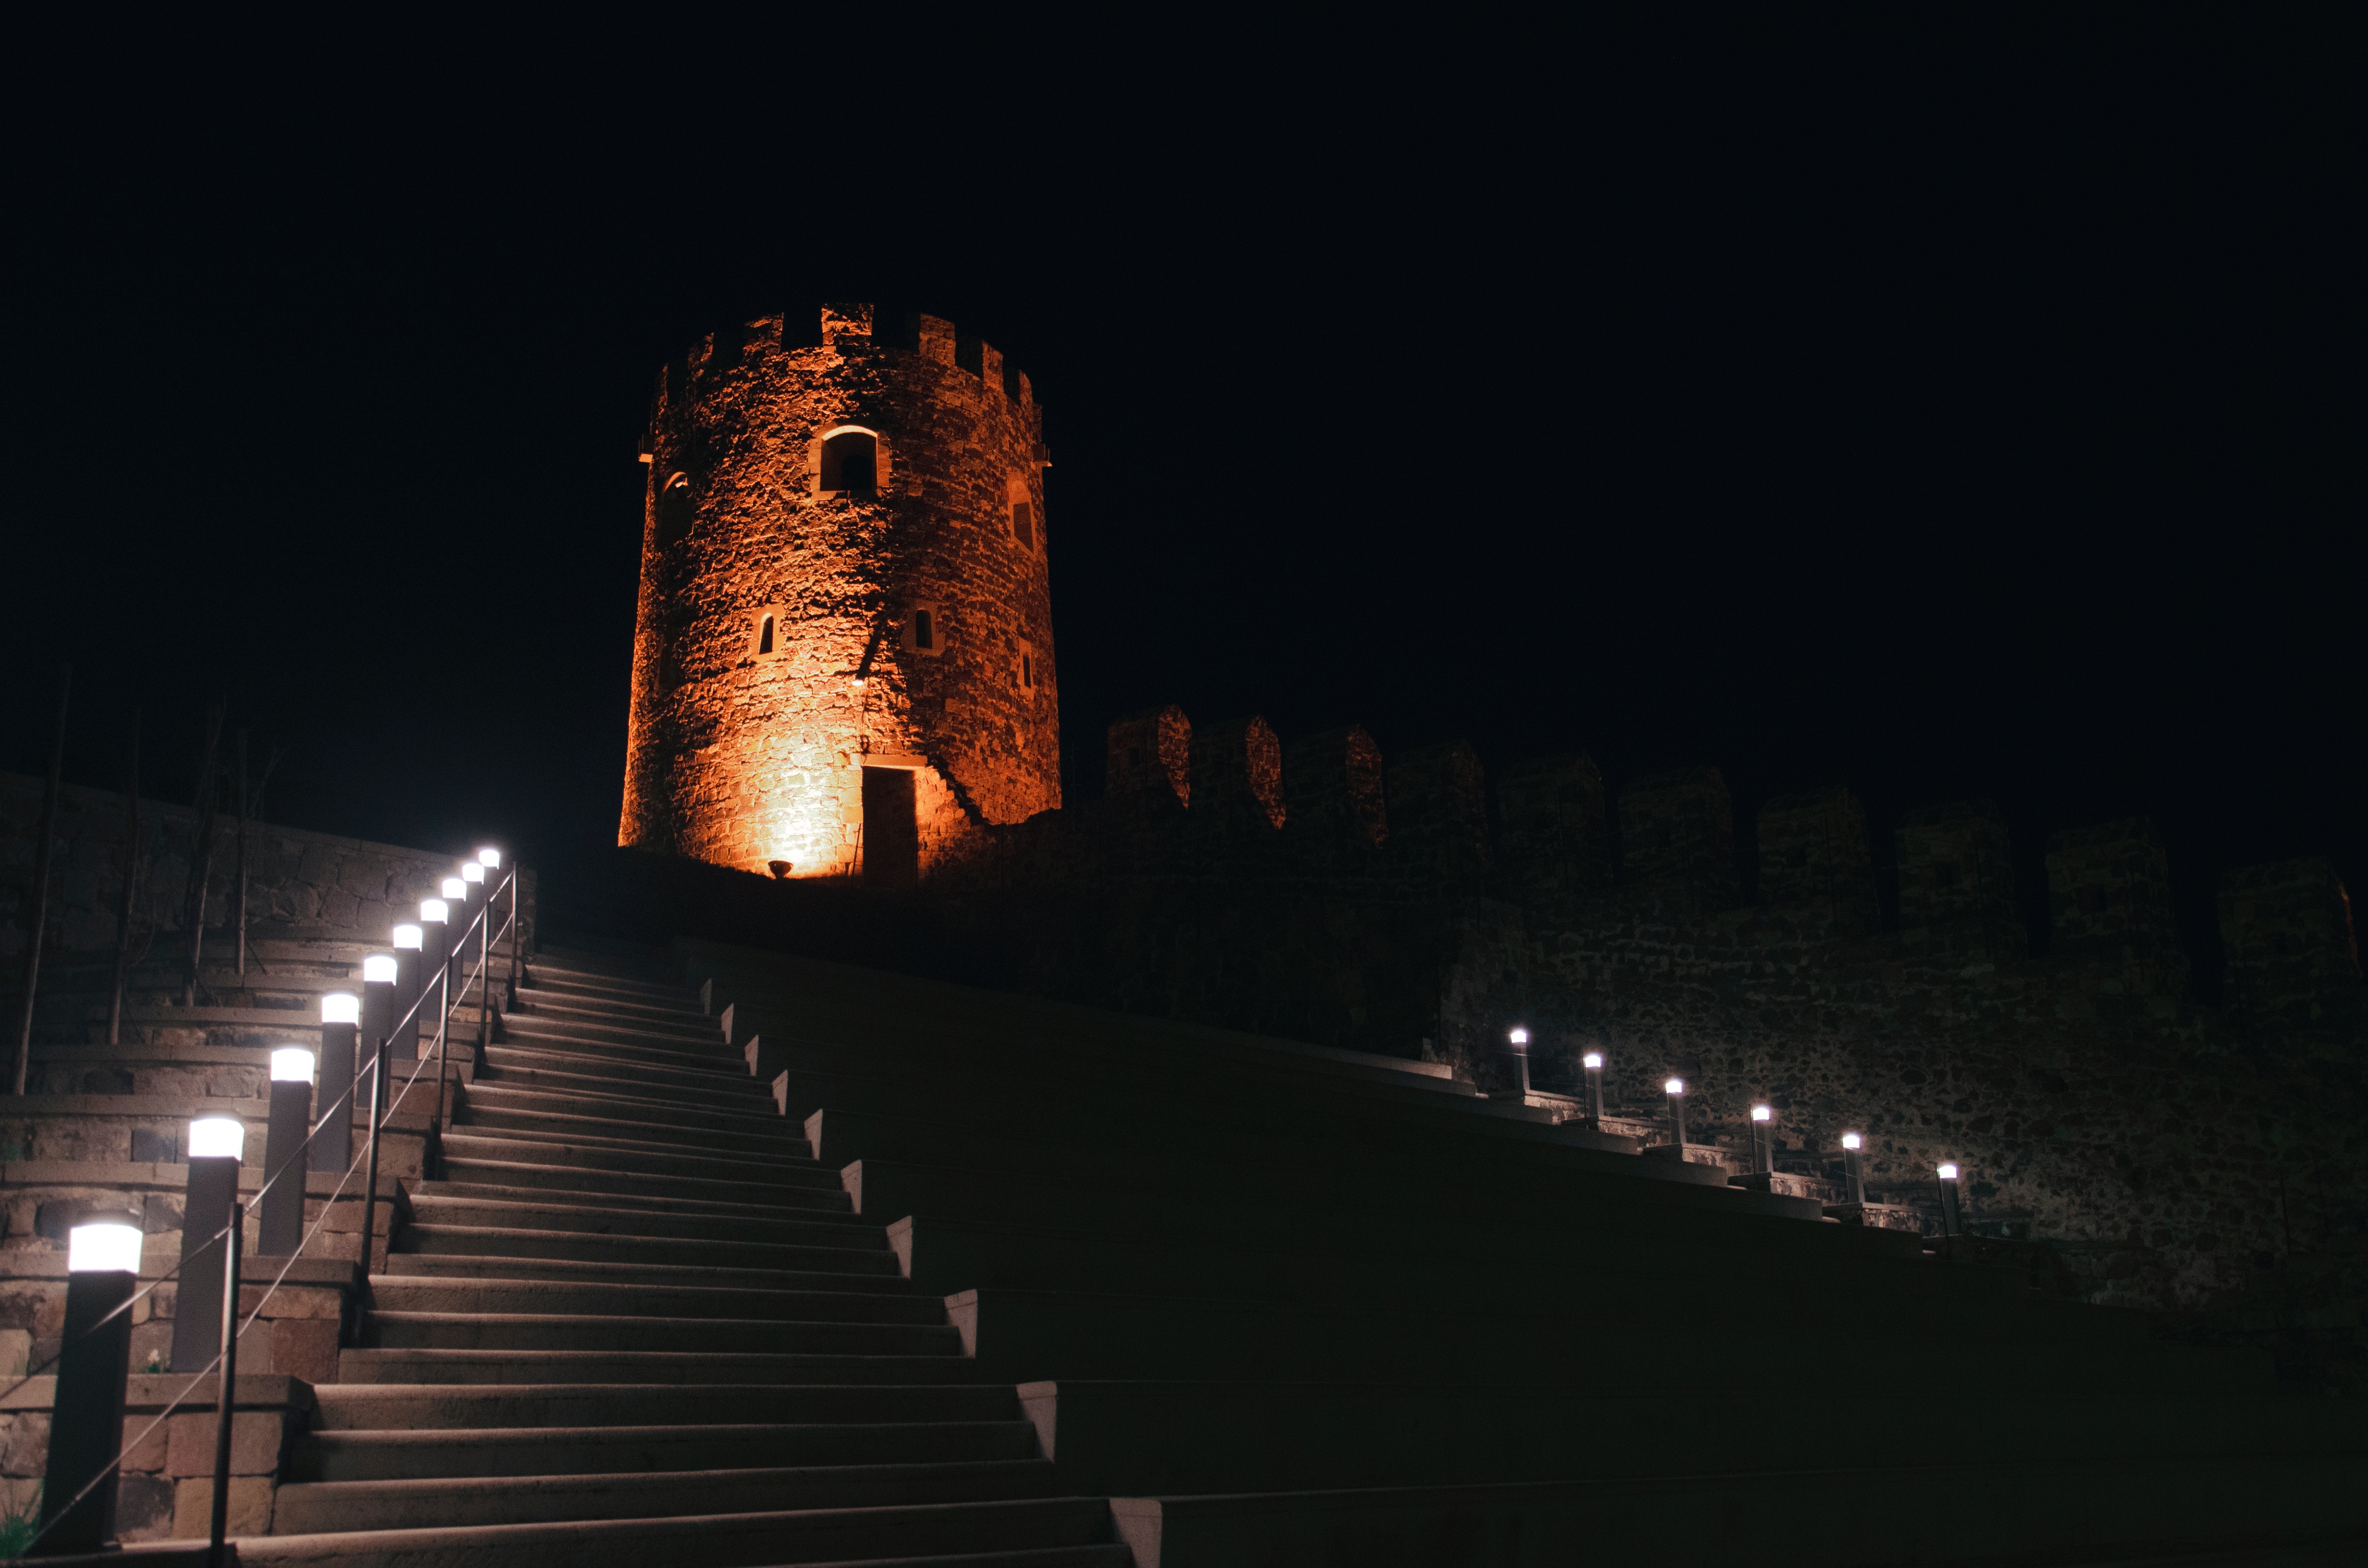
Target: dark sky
(1941, 416)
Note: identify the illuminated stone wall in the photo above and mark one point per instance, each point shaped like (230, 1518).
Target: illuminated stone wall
(746, 754)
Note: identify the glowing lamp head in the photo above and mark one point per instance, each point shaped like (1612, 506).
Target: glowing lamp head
(292, 1065)
(1853, 1141)
(472, 871)
(379, 968)
(434, 909)
(1520, 1037)
(217, 1138)
(341, 1008)
(109, 1246)
(1594, 1060)
(407, 936)
(1674, 1087)
(1761, 1113)
(454, 888)
(1949, 1171)
(489, 857)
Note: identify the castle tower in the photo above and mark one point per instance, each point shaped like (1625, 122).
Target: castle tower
(843, 658)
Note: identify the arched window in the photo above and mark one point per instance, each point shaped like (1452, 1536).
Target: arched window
(675, 510)
(850, 462)
(1023, 512)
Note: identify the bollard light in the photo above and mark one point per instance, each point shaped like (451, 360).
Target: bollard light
(104, 1246)
(1949, 1213)
(216, 1144)
(379, 968)
(454, 888)
(1853, 1168)
(340, 1007)
(1676, 1089)
(434, 910)
(407, 936)
(280, 1226)
(1520, 1039)
(1593, 1062)
(86, 1409)
(489, 857)
(473, 870)
(1763, 1140)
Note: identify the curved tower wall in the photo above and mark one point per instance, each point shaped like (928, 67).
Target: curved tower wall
(747, 748)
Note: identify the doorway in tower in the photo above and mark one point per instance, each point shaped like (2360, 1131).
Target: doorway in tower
(892, 833)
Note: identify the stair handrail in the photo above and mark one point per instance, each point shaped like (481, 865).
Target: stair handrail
(231, 1233)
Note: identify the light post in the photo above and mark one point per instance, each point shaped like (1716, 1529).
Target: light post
(1854, 1165)
(1763, 1141)
(333, 1146)
(1947, 1174)
(436, 921)
(216, 1144)
(1520, 1039)
(1593, 1062)
(1676, 1089)
(491, 859)
(86, 1409)
(280, 1228)
(410, 969)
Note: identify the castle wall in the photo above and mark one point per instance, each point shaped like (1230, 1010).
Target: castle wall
(746, 754)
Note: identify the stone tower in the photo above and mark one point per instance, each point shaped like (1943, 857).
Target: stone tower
(843, 659)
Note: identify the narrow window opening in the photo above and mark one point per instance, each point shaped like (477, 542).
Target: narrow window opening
(924, 630)
(850, 462)
(765, 636)
(1023, 523)
(1027, 673)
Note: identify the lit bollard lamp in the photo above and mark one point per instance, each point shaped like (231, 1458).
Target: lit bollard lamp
(410, 975)
(1520, 1039)
(279, 1225)
(491, 860)
(86, 1412)
(436, 948)
(1593, 1062)
(1675, 1088)
(216, 1144)
(1854, 1165)
(333, 1148)
(1947, 1174)
(1763, 1141)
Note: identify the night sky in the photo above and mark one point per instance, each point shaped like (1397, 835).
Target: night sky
(1961, 422)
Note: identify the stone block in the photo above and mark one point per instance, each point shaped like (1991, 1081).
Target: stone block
(255, 1439)
(16, 1352)
(24, 1443)
(250, 1506)
(305, 1348)
(144, 1506)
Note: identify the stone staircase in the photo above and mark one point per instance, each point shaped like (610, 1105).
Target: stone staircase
(633, 1298)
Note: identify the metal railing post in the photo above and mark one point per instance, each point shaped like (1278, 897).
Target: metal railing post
(228, 1395)
(517, 938)
(484, 981)
(369, 1192)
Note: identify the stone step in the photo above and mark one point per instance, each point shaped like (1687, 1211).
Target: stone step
(597, 1450)
(502, 1114)
(491, 1242)
(864, 1273)
(526, 1030)
(687, 1024)
(587, 1220)
(672, 1009)
(512, 1068)
(499, 1163)
(423, 1407)
(517, 1055)
(616, 1156)
(590, 1028)
(618, 1116)
(417, 1365)
(1057, 1532)
(414, 1294)
(354, 1506)
(541, 1331)
(638, 1202)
